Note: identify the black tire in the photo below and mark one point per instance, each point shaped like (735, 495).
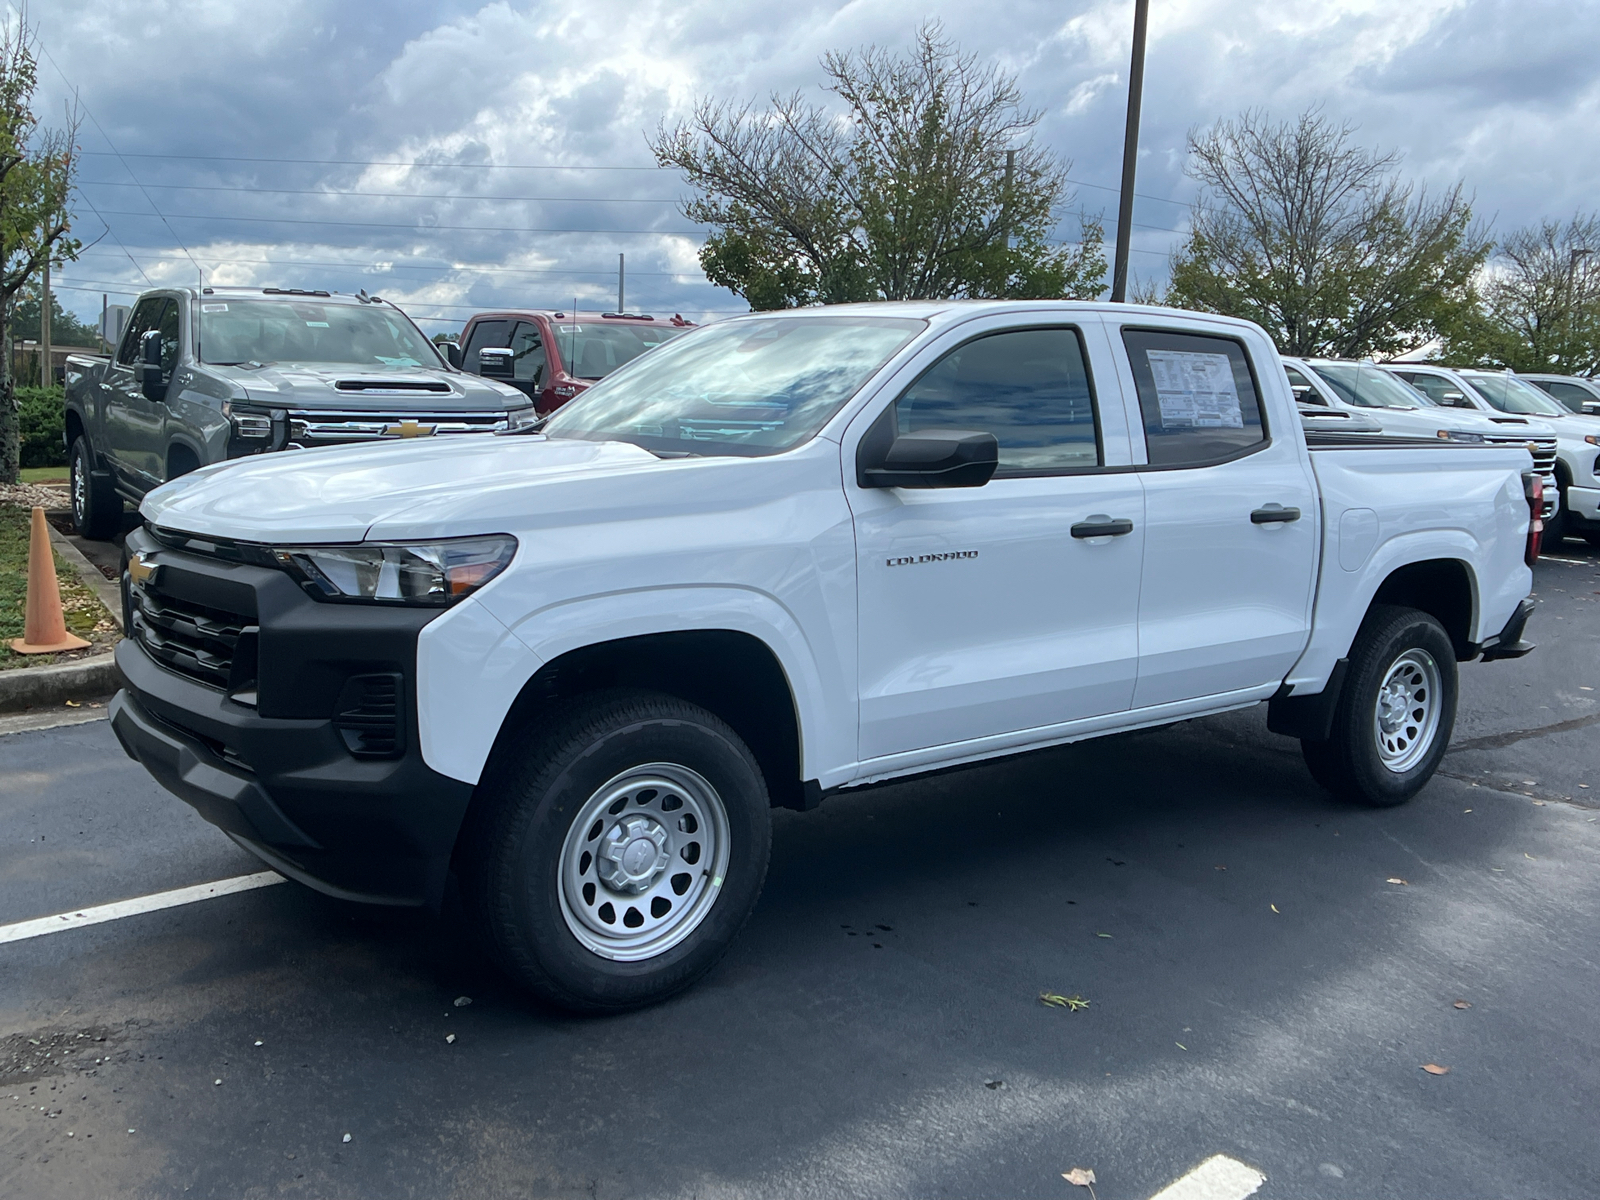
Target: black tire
(96, 507)
(1555, 529)
(1592, 536)
(1350, 763)
(524, 827)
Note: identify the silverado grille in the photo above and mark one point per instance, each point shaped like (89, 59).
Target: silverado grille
(1544, 461)
(205, 644)
(308, 429)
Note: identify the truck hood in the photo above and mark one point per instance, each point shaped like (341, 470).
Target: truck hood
(336, 387)
(339, 493)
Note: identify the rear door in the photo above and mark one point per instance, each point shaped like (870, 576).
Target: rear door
(981, 614)
(1231, 528)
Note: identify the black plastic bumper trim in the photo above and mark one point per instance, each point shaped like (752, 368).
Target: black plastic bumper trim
(1508, 642)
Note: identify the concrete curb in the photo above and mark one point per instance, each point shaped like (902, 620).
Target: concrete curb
(40, 687)
(109, 595)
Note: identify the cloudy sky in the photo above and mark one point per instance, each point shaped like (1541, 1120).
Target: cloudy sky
(283, 143)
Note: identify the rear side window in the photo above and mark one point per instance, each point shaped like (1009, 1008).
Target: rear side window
(493, 334)
(1028, 387)
(1197, 397)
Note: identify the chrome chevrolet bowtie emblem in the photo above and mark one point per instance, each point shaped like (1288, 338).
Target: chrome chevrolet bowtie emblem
(408, 429)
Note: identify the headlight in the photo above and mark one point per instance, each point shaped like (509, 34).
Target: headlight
(434, 573)
(520, 418)
(1591, 439)
(1459, 435)
(247, 424)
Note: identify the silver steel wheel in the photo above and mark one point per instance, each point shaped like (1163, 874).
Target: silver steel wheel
(1406, 717)
(79, 489)
(643, 862)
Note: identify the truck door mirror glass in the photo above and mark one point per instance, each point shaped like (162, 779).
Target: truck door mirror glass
(452, 354)
(152, 380)
(933, 458)
(495, 363)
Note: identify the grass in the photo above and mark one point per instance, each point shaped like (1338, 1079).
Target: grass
(84, 613)
(43, 475)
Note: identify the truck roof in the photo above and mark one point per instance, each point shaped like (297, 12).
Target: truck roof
(562, 314)
(226, 292)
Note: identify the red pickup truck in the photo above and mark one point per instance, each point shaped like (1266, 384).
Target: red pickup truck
(552, 356)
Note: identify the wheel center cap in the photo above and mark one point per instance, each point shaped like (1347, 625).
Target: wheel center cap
(633, 854)
(1396, 703)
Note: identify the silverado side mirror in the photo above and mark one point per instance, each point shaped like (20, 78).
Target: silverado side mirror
(932, 458)
(151, 381)
(495, 363)
(452, 354)
(1592, 407)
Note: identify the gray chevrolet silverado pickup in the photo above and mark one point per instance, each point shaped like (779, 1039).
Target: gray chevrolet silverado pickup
(202, 375)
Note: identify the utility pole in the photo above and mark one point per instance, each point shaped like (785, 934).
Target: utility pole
(1130, 153)
(47, 375)
(1005, 201)
(622, 291)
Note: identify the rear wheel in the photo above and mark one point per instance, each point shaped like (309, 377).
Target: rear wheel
(617, 856)
(1394, 716)
(96, 507)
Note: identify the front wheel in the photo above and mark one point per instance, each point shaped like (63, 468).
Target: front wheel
(614, 859)
(1394, 716)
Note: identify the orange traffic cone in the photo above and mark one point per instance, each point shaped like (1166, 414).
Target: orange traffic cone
(44, 630)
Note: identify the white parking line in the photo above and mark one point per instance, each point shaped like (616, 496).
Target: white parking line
(1218, 1178)
(40, 926)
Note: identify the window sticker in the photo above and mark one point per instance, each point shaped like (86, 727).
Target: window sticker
(317, 324)
(1195, 391)
(205, 308)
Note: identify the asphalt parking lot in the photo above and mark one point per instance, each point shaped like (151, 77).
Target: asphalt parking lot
(1259, 984)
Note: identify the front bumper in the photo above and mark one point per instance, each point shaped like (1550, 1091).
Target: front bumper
(286, 778)
(1583, 506)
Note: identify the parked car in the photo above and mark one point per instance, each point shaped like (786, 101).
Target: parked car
(552, 356)
(1577, 394)
(1506, 400)
(785, 555)
(204, 375)
(1402, 410)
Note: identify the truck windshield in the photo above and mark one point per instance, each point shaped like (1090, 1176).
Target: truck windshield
(747, 387)
(1510, 395)
(295, 331)
(1367, 387)
(594, 349)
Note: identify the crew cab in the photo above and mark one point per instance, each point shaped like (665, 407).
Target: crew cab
(1366, 388)
(204, 375)
(782, 556)
(552, 356)
(1509, 402)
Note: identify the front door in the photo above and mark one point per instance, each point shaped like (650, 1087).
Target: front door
(135, 424)
(1231, 525)
(986, 612)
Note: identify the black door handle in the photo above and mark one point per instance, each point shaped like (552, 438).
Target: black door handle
(1100, 525)
(1274, 513)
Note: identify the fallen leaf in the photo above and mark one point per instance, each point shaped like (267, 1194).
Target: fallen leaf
(1219, 868)
(1274, 908)
(449, 1039)
(1073, 1003)
(1581, 688)
(1435, 1069)
(258, 1042)
(1079, 1177)
(1466, 810)
(73, 704)
(1583, 785)
(463, 1001)
(1180, 1045)
(1396, 879)
(346, 1137)
(1104, 935)
(1461, 1004)
(1525, 854)
(995, 1083)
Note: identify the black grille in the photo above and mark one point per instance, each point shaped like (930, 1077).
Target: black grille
(191, 639)
(370, 715)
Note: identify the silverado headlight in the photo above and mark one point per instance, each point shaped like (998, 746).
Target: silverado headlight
(1459, 435)
(247, 423)
(436, 573)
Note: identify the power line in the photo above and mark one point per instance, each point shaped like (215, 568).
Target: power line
(413, 227)
(295, 262)
(353, 162)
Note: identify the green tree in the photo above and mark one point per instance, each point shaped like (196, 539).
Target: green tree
(1541, 302)
(37, 167)
(65, 328)
(927, 184)
(1320, 242)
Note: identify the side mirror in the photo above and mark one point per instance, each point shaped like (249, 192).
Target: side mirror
(496, 363)
(151, 381)
(1592, 407)
(932, 458)
(452, 354)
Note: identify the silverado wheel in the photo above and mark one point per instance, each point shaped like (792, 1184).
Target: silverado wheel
(616, 856)
(96, 507)
(1394, 716)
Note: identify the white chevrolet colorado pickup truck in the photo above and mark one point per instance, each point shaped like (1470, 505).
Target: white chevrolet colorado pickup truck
(780, 556)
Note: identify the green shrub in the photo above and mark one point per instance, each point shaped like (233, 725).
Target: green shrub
(42, 412)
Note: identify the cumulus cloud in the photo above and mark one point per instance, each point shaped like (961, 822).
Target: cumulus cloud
(1498, 94)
